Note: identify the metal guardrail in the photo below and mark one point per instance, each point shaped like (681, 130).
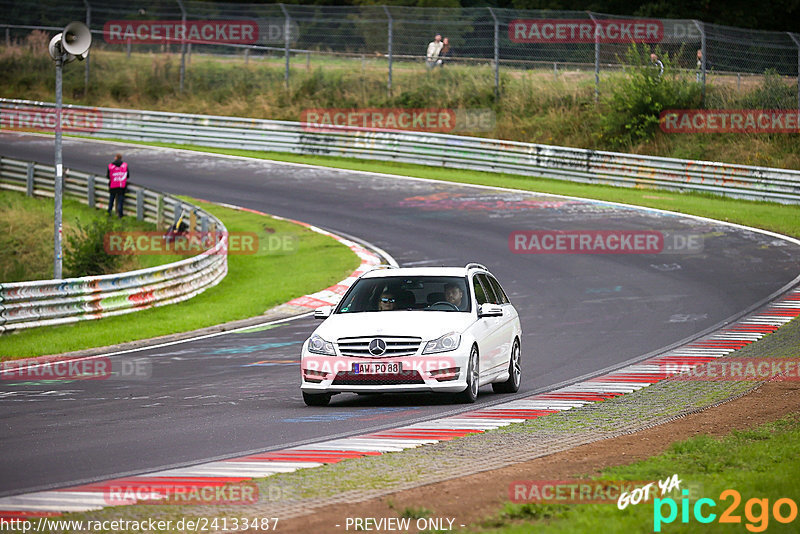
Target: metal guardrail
(441, 150)
(52, 302)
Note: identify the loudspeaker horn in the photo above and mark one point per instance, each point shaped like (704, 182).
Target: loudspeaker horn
(76, 39)
(55, 47)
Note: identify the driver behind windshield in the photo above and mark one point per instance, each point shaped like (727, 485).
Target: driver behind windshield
(453, 295)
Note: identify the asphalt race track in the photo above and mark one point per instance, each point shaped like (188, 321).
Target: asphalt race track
(239, 392)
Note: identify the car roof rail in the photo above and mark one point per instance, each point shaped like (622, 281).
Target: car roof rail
(382, 266)
(473, 265)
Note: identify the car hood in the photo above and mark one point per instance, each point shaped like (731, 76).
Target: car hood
(424, 324)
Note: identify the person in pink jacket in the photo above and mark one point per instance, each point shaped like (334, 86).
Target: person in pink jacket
(117, 174)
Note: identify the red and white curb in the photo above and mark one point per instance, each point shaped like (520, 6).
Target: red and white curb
(236, 470)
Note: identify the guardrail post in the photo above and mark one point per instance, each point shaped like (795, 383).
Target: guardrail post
(140, 205)
(389, 51)
(797, 43)
(287, 28)
(701, 29)
(496, 54)
(90, 191)
(29, 180)
(159, 211)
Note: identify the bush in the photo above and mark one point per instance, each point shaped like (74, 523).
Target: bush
(86, 254)
(774, 93)
(636, 102)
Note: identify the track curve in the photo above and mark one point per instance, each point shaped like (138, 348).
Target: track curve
(239, 393)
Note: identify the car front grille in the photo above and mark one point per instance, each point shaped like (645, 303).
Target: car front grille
(395, 346)
(348, 378)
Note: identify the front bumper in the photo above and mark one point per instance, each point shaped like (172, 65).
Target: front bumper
(442, 373)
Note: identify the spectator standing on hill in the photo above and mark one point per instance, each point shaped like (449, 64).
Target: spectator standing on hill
(434, 48)
(445, 53)
(700, 65)
(117, 174)
(655, 62)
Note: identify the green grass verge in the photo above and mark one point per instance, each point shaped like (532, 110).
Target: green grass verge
(26, 237)
(254, 284)
(756, 463)
(780, 218)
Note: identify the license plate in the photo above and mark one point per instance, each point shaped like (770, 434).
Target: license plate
(377, 368)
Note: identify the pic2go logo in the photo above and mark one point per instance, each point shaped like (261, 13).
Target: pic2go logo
(756, 511)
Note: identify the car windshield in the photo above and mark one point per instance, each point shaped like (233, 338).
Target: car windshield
(392, 293)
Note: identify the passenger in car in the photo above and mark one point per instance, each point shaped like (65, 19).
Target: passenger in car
(387, 301)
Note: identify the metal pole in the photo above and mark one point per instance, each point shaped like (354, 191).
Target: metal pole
(391, 30)
(183, 45)
(88, 56)
(59, 175)
(797, 43)
(496, 54)
(596, 57)
(8, 36)
(700, 28)
(286, 42)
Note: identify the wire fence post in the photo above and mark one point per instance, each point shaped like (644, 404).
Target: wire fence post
(88, 54)
(596, 57)
(286, 41)
(391, 38)
(702, 31)
(496, 54)
(8, 36)
(183, 45)
(797, 43)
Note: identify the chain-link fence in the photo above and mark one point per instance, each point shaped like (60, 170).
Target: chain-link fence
(486, 44)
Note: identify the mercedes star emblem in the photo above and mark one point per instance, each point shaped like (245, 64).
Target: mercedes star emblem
(377, 347)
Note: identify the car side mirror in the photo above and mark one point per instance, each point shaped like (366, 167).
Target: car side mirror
(490, 310)
(323, 312)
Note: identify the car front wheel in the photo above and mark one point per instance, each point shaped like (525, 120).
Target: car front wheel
(470, 393)
(316, 399)
(514, 373)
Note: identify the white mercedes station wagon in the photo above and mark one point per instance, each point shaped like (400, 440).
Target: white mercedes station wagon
(420, 329)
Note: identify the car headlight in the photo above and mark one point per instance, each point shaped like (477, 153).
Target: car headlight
(445, 343)
(317, 345)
